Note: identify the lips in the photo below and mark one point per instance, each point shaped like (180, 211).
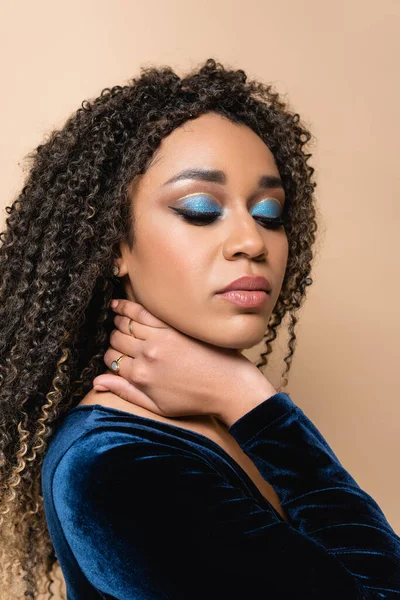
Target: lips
(248, 283)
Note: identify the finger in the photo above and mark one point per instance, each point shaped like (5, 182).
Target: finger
(138, 313)
(125, 390)
(141, 332)
(126, 343)
(127, 364)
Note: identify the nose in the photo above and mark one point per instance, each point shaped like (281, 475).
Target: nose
(243, 237)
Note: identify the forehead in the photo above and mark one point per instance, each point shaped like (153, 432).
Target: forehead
(211, 141)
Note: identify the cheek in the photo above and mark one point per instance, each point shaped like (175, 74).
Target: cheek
(281, 253)
(168, 273)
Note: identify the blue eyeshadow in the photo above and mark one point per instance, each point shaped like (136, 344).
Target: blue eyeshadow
(268, 208)
(202, 203)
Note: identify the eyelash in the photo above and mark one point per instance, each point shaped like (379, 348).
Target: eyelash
(199, 219)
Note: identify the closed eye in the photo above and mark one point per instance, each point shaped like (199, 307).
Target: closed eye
(206, 218)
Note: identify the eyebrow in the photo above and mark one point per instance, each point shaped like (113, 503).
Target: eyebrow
(266, 182)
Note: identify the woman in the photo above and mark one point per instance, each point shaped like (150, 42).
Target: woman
(186, 474)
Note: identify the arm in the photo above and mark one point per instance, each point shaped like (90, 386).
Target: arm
(147, 519)
(319, 496)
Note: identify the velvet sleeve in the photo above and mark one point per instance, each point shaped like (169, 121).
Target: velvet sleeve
(320, 498)
(150, 520)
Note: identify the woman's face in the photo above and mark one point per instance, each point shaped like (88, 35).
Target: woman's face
(175, 268)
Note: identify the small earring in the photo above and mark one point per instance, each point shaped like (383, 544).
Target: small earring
(115, 270)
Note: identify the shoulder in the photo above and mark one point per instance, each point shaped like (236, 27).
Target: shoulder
(111, 471)
(97, 450)
(110, 446)
(89, 436)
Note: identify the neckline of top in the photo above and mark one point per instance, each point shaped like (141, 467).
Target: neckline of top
(195, 434)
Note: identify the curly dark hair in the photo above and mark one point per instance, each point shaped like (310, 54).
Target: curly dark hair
(56, 257)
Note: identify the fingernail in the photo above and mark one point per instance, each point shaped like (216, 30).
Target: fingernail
(100, 388)
(114, 303)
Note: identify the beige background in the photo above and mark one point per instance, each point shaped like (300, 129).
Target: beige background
(338, 64)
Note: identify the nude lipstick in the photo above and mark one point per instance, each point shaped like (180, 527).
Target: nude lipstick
(247, 291)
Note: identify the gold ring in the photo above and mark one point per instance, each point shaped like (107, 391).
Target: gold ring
(115, 364)
(130, 327)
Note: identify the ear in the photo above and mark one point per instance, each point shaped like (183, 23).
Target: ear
(124, 261)
(122, 258)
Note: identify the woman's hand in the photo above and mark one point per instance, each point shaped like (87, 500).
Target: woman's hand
(173, 374)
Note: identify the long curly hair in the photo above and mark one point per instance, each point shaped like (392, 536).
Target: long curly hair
(56, 281)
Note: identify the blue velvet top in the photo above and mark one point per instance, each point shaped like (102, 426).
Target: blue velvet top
(140, 509)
